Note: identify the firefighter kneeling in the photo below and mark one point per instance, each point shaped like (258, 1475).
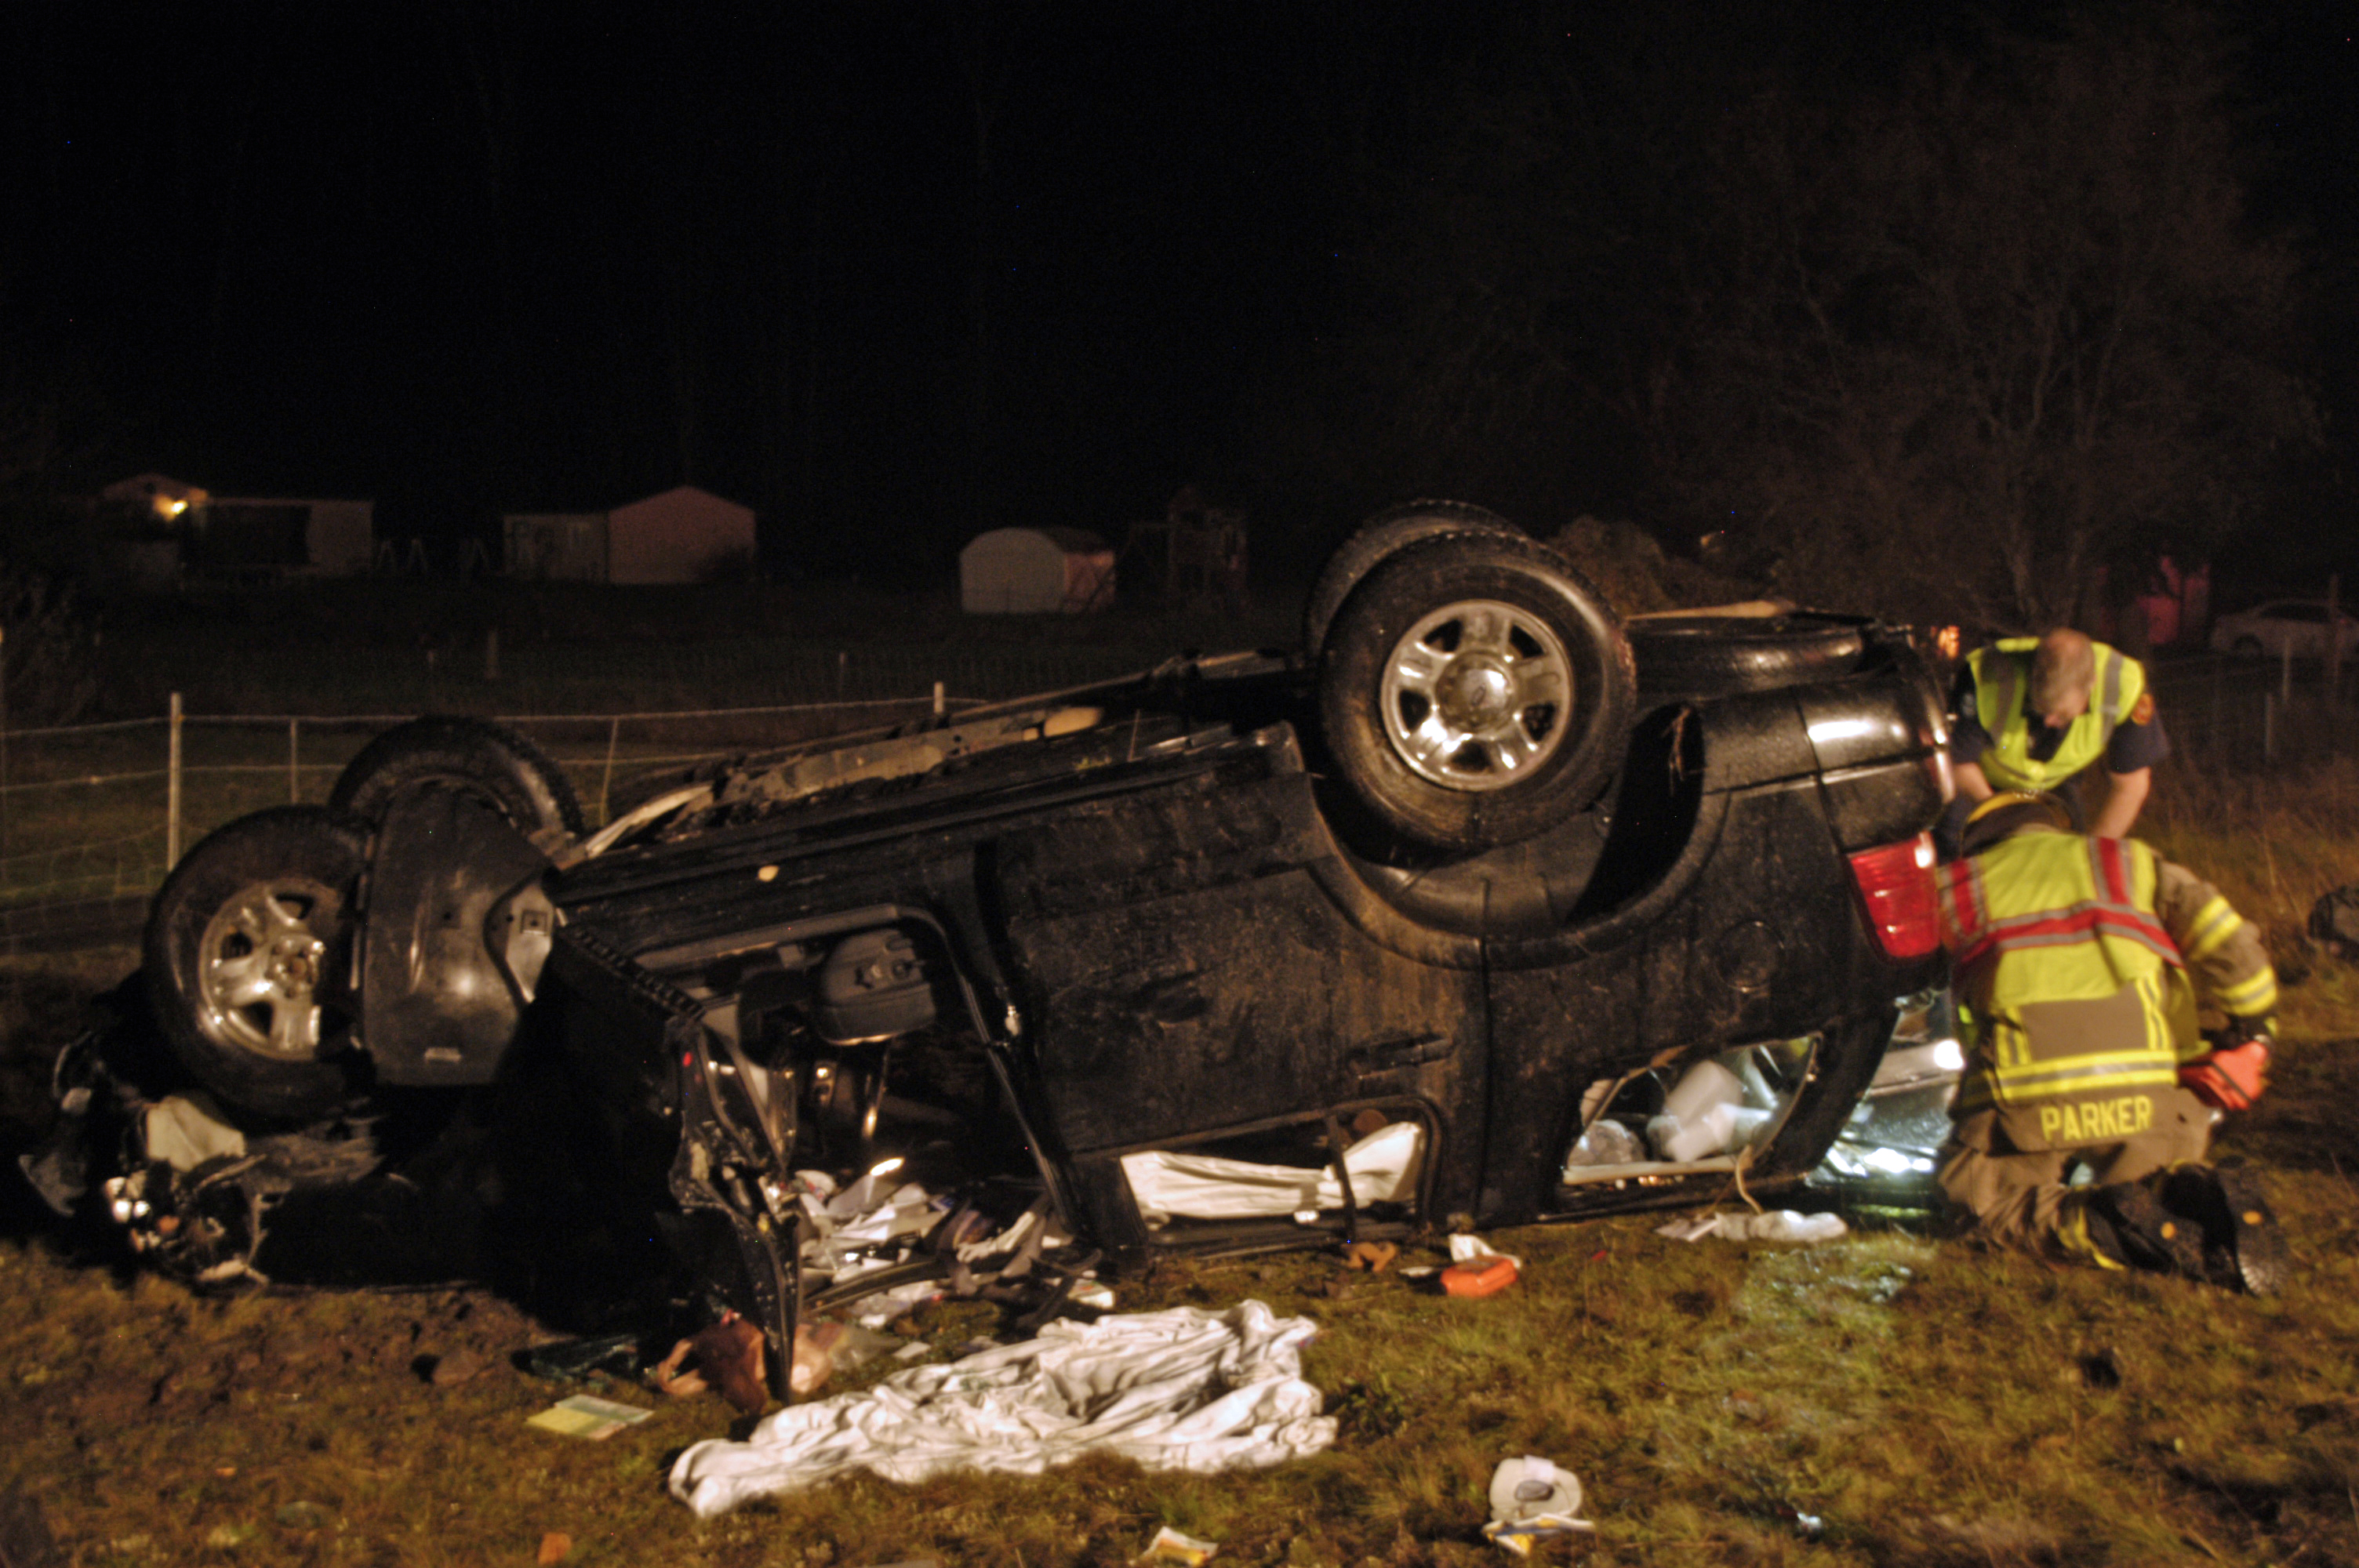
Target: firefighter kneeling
(2080, 962)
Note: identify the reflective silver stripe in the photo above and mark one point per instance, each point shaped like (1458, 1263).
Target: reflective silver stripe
(2064, 1069)
(2110, 713)
(2002, 695)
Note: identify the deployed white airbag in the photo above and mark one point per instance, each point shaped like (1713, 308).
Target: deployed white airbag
(1183, 1389)
(1384, 1167)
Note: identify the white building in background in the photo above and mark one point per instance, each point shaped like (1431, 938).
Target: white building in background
(1036, 571)
(684, 534)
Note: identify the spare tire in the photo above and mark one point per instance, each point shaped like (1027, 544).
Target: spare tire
(1474, 690)
(1392, 529)
(1704, 654)
(488, 761)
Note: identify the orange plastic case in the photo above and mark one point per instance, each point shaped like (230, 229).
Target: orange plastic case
(1460, 1279)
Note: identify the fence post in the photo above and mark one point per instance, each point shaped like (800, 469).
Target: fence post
(2268, 725)
(294, 770)
(172, 789)
(2334, 642)
(613, 734)
(4, 743)
(2217, 667)
(939, 705)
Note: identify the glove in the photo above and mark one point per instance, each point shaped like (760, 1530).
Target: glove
(2230, 1078)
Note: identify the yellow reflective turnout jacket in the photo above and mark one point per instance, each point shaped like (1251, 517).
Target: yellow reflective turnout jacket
(2082, 961)
(2002, 674)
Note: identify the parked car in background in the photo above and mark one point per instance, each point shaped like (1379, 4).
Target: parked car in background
(2283, 626)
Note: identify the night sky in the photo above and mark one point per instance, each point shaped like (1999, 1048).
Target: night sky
(890, 273)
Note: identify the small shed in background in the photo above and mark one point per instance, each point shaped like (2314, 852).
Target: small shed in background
(684, 534)
(1035, 572)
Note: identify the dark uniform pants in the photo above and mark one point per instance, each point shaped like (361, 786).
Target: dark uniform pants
(2018, 1195)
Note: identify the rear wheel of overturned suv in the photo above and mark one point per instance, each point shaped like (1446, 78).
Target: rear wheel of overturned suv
(248, 956)
(1474, 690)
(489, 761)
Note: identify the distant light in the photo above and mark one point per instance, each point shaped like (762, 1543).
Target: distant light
(1949, 1055)
(885, 1167)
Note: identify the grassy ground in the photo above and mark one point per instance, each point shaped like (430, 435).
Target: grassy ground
(1928, 1402)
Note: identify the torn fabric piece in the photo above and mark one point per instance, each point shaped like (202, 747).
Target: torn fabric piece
(1205, 1187)
(1182, 1389)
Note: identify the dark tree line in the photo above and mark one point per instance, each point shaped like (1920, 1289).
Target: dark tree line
(1937, 327)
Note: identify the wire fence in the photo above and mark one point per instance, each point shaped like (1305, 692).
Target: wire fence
(2248, 712)
(93, 815)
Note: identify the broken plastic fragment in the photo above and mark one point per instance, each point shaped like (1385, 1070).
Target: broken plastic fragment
(583, 1416)
(1532, 1500)
(1170, 1546)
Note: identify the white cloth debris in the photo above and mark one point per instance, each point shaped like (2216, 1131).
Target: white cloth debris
(853, 1226)
(1383, 1166)
(1182, 1389)
(1776, 1225)
(185, 1130)
(1465, 1249)
(877, 1310)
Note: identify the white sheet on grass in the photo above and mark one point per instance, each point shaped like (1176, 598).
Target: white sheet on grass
(1183, 1389)
(1205, 1187)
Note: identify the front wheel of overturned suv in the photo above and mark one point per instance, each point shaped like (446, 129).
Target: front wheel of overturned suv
(248, 956)
(1474, 690)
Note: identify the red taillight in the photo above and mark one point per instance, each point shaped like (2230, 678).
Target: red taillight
(1896, 882)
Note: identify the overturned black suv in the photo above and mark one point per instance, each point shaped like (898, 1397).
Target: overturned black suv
(1483, 909)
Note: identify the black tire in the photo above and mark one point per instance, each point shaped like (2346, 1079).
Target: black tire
(1392, 529)
(1511, 668)
(1715, 655)
(249, 958)
(490, 761)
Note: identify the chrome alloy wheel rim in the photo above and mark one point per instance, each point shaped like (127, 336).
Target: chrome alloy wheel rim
(1476, 695)
(261, 968)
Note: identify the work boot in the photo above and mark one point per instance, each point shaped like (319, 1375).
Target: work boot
(2242, 1243)
(2128, 1226)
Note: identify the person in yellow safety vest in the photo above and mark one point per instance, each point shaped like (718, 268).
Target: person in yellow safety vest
(2030, 713)
(2080, 962)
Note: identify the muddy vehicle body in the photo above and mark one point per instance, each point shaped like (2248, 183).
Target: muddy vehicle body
(1483, 910)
